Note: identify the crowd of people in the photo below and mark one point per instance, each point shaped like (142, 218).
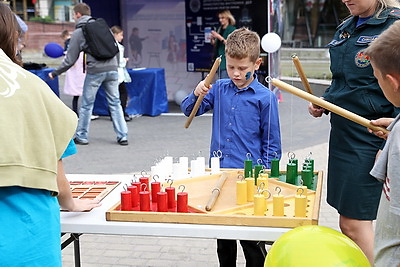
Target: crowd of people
(364, 61)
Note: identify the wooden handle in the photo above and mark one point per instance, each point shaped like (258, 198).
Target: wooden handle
(216, 191)
(300, 71)
(207, 82)
(326, 105)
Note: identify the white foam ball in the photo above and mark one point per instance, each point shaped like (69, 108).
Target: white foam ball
(271, 42)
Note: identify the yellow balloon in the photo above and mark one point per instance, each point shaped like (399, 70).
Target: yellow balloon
(315, 246)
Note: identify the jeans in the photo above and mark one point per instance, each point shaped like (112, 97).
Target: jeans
(109, 81)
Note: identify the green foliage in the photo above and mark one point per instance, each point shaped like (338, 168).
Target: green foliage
(46, 19)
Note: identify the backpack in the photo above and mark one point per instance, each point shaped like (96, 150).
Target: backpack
(100, 41)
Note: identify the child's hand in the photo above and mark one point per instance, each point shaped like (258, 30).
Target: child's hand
(383, 122)
(201, 89)
(85, 204)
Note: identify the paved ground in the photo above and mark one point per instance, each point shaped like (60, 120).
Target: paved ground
(151, 138)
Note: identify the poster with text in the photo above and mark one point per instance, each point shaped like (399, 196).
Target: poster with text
(202, 17)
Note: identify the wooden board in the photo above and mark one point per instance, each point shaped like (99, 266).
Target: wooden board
(225, 211)
(92, 189)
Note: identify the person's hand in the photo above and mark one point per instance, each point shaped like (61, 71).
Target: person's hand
(383, 122)
(84, 204)
(216, 35)
(315, 111)
(201, 89)
(126, 59)
(51, 76)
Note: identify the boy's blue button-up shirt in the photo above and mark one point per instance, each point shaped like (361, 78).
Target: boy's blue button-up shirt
(244, 121)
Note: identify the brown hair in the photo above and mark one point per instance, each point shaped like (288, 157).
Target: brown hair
(9, 33)
(116, 29)
(385, 51)
(242, 43)
(83, 9)
(64, 34)
(229, 16)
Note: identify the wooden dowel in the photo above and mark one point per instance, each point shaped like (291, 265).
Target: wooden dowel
(300, 71)
(326, 105)
(216, 191)
(207, 82)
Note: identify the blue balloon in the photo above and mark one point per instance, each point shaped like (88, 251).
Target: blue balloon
(54, 50)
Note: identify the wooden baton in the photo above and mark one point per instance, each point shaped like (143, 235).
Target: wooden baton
(207, 82)
(216, 191)
(300, 71)
(327, 105)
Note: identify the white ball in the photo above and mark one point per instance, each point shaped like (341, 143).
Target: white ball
(271, 42)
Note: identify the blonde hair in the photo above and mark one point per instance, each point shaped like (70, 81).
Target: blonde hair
(242, 43)
(384, 4)
(385, 51)
(116, 29)
(229, 16)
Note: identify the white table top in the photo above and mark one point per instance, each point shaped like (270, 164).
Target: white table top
(94, 222)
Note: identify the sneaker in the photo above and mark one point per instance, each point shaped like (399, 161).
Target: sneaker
(79, 142)
(123, 142)
(128, 118)
(94, 117)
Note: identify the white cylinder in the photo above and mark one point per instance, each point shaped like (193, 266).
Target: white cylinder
(194, 168)
(184, 161)
(202, 165)
(215, 166)
(168, 161)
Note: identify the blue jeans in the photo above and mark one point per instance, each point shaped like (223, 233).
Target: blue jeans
(109, 81)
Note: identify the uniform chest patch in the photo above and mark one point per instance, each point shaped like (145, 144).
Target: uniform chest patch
(361, 59)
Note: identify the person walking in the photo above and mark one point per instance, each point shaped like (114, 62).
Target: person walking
(99, 72)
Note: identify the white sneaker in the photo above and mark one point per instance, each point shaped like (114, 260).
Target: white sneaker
(94, 117)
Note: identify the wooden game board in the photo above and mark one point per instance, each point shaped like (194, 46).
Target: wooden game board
(92, 189)
(226, 211)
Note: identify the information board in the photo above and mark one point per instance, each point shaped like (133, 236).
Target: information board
(202, 18)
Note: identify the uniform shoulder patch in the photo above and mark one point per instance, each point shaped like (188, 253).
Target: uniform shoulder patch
(395, 13)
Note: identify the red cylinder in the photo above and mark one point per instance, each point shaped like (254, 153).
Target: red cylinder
(171, 197)
(162, 205)
(182, 205)
(144, 180)
(137, 184)
(144, 201)
(126, 200)
(135, 195)
(155, 188)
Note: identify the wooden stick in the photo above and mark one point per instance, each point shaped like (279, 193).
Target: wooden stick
(300, 71)
(326, 105)
(207, 82)
(216, 191)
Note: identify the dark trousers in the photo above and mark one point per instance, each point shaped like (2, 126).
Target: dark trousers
(227, 252)
(75, 104)
(123, 96)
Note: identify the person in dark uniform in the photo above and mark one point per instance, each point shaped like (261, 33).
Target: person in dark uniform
(352, 191)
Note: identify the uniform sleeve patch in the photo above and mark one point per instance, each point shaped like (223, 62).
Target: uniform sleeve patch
(361, 59)
(395, 12)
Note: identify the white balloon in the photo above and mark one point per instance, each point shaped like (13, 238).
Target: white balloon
(271, 42)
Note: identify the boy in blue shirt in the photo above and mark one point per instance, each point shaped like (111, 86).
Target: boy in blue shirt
(245, 120)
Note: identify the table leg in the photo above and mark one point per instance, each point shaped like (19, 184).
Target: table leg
(74, 237)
